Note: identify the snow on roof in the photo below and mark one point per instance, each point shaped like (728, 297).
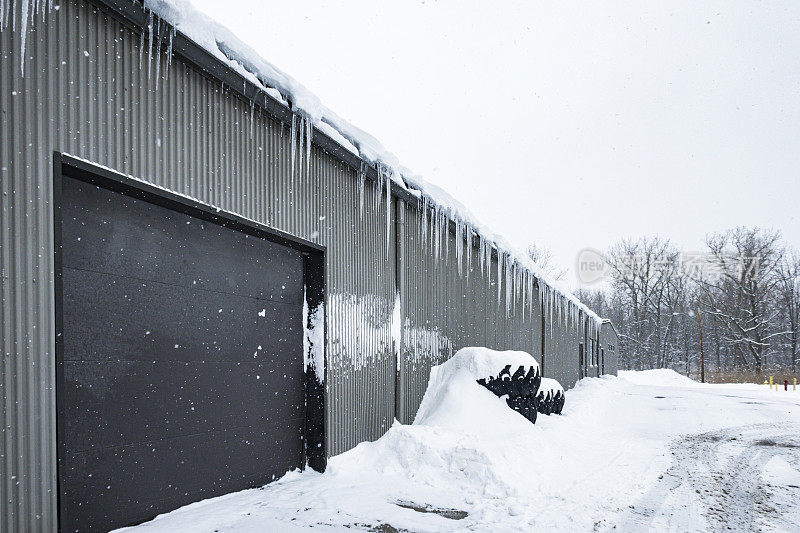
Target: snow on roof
(220, 42)
(223, 44)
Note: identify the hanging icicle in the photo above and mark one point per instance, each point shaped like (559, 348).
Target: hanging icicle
(293, 146)
(388, 211)
(469, 251)
(423, 227)
(170, 37)
(459, 250)
(301, 126)
(362, 176)
(252, 119)
(500, 260)
(158, 51)
(309, 135)
(376, 201)
(150, 44)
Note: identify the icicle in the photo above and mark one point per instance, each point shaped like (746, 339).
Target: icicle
(469, 251)
(459, 249)
(446, 224)
(531, 289)
(150, 45)
(388, 212)
(301, 126)
(481, 244)
(439, 226)
(252, 119)
(309, 135)
(423, 226)
(432, 229)
(376, 200)
(293, 142)
(361, 178)
(158, 51)
(509, 275)
(487, 248)
(500, 267)
(435, 234)
(170, 37)
(23, 19)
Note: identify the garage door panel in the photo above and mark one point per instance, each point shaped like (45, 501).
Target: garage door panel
(115, 482)
(115, 403)
(158, 244)
(152, 320)
(180, 363)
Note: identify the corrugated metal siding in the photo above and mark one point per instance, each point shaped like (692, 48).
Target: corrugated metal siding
(183, 132)
(563, 335)
(608, 337)
(445, 308)
(90, 89)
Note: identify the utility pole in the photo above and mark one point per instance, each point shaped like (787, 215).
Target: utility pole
(702, 362)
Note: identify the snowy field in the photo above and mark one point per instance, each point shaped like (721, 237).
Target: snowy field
(645, 451)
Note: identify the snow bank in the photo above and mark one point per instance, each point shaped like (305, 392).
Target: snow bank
(607, 463)
(657, 377)
(455, 400)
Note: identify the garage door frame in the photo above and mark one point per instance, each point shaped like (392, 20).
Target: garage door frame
(314, 282)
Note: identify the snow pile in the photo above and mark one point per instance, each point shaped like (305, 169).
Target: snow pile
(621, 457)
(455, 400)
(657, 377)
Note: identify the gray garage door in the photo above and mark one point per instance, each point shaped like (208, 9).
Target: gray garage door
(181, 368)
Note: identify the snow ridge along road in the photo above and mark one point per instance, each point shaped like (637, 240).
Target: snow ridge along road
(646, 451)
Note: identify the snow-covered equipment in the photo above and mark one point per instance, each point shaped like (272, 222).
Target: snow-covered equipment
(550, 399)
(519, 388)
(454, 398)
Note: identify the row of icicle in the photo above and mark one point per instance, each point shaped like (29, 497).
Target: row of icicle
(435, 222)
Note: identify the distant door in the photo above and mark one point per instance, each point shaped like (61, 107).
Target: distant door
(181, 372)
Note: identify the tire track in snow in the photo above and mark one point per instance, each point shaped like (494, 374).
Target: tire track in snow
(715, 483)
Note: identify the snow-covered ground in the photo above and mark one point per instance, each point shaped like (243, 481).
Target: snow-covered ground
(643, 451)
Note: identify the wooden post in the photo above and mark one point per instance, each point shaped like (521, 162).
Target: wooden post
(702, 361)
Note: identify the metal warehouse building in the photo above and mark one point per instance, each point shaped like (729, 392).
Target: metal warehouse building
(201, 290)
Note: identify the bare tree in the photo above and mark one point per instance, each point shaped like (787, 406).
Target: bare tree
(647, 281)
(742, 299)
(788, 301)
(747, 292)
(544, 258)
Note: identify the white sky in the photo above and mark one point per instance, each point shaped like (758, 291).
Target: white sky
(570, 125)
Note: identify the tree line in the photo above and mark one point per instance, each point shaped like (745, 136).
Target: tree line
(742, 292)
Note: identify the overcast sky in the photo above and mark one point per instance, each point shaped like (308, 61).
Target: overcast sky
(570, 125)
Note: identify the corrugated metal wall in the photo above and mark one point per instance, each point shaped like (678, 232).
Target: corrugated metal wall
(85, 92)
(90, 89)
(609, 338)
(446, 307)
(563, 334)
